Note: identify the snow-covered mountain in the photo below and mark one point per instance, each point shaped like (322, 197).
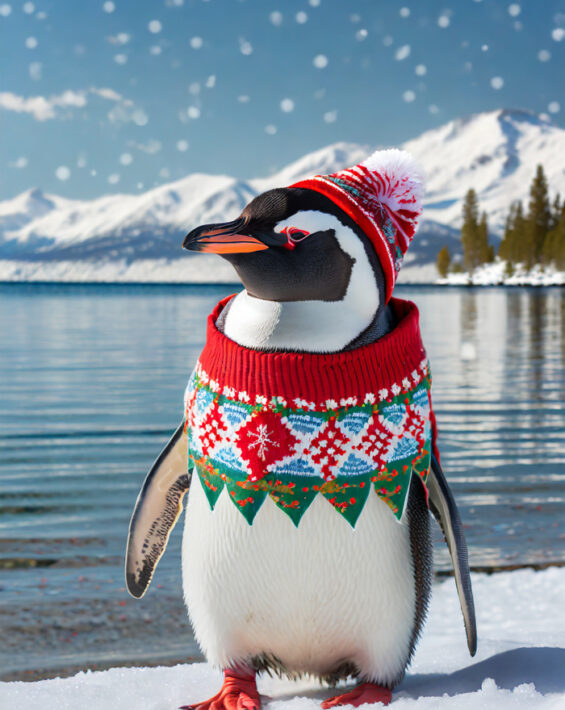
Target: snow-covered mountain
(138, 237)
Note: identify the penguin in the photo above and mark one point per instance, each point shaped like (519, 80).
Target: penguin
(324, 597)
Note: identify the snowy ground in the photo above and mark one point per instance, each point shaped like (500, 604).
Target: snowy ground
(520, 662)
(494, 275)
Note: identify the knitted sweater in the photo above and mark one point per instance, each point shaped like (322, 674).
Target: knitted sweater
(292, 426)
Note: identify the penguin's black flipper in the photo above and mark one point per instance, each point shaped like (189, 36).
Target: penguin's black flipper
(156, 511)
(442, 505)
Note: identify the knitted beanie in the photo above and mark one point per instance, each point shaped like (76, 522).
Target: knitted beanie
(383, 195)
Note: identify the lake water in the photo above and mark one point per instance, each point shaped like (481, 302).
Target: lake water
(91, 387)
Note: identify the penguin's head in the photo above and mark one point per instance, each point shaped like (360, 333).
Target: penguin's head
(312, 240)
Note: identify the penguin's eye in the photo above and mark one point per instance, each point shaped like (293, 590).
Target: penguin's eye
(294, 236)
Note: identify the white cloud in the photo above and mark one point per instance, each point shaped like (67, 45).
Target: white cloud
(40, 107)
(108, 94)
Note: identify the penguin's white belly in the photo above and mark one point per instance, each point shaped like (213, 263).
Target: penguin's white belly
(313, 597)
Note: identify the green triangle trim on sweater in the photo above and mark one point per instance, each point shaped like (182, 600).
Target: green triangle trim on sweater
(293, 493)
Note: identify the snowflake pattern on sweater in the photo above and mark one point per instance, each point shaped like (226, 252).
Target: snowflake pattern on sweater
(290, 451)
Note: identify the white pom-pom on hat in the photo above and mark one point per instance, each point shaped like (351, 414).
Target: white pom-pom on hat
(402, 184)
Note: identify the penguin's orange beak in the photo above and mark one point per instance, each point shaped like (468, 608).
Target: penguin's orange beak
(225, 238)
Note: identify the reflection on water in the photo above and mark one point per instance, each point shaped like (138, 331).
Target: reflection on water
(91, 385)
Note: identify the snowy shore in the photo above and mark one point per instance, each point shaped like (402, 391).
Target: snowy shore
(520, 661)
(210, 269)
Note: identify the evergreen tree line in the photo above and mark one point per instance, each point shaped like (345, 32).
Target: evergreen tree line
(537, 237)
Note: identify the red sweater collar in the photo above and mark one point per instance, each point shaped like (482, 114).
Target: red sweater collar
(382, 365)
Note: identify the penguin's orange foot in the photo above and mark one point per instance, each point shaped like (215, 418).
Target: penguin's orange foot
(363, 693)
(239, 692)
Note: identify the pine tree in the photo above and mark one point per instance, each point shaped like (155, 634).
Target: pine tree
(554, 245)
(538, 220)
(513, 247)
(470, 231)
(555, 212)
(443, 261)
(486, 252)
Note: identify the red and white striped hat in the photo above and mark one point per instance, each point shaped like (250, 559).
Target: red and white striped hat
(383, 195)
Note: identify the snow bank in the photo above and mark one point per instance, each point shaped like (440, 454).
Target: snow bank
(494, 275)
(520, 662)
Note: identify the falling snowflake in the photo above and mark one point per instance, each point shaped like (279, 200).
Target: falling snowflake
(330, 116)
(270, 129)
(544, 55)
(404, 12)
(421, 70)
(361, 35)
(245, 47)
(31, 42)
(120, 58)
(5, 10)
(126, 159)
(35, 70)
(182, 145)
(113, 179)
(402, 52)
(196, 42)
(276, 18)
(301, 17)
(193, 112)
(154, 27)
(287, 105)
(443, 21)
(514, 10)
(28, 8)
(320, 61)
(558, 34)
(497, 82)
(108, 7)
(409, 96)
(62, 173)
(554, 107)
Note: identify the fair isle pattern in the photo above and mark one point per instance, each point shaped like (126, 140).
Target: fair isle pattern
(294, 450)
(369, 190)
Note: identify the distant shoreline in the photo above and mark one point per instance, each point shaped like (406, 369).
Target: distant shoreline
(237, 284)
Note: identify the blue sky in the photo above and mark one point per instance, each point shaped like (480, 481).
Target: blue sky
(106, 96)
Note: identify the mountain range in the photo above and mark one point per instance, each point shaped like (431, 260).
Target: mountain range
(137, 237)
